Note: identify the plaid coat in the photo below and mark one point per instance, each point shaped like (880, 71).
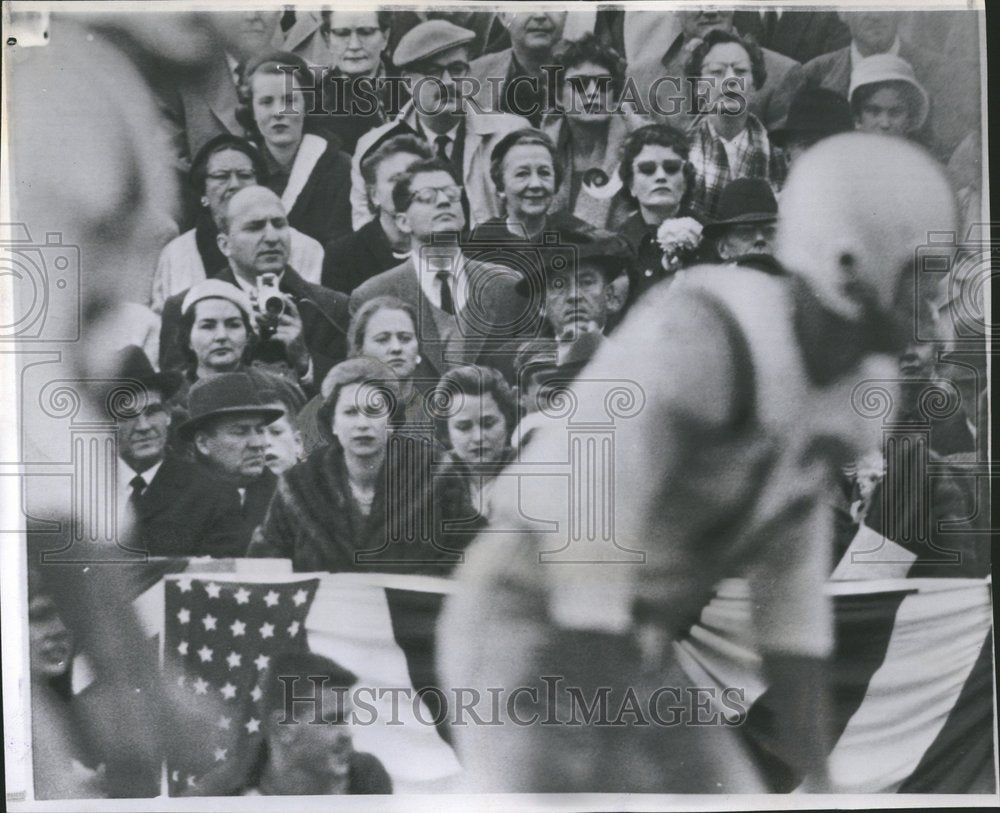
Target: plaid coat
(756, 158)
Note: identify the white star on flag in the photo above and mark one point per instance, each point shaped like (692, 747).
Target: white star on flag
(190, 780)
(228, 635)
(184, 584)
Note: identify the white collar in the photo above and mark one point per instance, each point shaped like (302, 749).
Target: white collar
(856, 55)
(234, 65)
(430, 135)
(727, 142)
(126, 473)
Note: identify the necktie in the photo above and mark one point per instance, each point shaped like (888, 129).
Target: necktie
(441, 147)
(138, 485)
(447, 303)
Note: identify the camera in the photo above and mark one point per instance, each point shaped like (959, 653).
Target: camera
(270, 304)
(42, 283)
(270, 300)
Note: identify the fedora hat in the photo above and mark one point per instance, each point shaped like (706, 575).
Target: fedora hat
(814, 113)
(228, 394)
(607, 251)
(133, 363)
(745, 200)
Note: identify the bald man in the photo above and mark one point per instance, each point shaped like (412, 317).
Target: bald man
(312, 327)
(727, 469)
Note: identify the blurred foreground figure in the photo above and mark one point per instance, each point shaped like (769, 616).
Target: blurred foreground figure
(103, 187)
(724, 468)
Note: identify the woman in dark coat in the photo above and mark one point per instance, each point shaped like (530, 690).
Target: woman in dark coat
(361, 503)
(477, 413)
(310, 173)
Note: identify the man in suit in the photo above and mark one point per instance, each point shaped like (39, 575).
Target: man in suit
(175, 509)
(874, 32)
(228, 429)
(378, 245)
(672, 93)
(434, 60)
(467, 310)
(533, 35)
(203, 105)
(312, 324)
(581, 299)
(799, 35)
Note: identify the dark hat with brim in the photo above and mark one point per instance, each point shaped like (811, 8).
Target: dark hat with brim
(745, 200)
(604, 250)
(814, 113)
(133, 363)
(224, 396)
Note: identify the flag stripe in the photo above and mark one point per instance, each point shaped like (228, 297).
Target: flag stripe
(960, 760)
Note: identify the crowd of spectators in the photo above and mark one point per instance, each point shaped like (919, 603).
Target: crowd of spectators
(378, 274)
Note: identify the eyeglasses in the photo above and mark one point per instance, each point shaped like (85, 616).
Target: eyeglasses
(241, 175)
(429, 194)
(456, 68)
(364, 32)
(671, 166)
(581, 84)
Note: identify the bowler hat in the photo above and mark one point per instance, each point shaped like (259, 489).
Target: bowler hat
(814, 113)
(228, 394)
(133, 363)
(427, 39)
(745, 200)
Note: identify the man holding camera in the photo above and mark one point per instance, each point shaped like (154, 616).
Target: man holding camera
(300, 323)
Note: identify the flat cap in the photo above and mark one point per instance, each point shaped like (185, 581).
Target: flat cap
(427, 39)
